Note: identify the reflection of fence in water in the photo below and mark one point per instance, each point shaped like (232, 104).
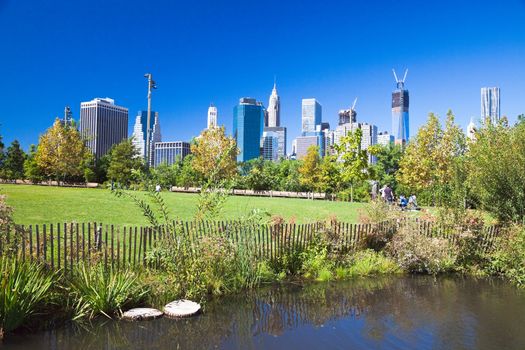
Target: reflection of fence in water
(64, 245)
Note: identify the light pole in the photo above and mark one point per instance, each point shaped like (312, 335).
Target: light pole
(151, 85)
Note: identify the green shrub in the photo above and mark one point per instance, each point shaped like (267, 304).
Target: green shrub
(367, 262)
(98, 291)
(508, 258)
(24, 287)
(415, 252)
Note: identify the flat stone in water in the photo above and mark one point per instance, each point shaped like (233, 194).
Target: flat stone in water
(181, 308)
(141, 314)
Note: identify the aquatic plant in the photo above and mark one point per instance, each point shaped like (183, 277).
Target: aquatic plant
(24, 287)
(99, 291)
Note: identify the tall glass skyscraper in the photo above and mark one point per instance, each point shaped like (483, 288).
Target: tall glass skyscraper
(139, 134)
(490, 105)
(311, 115)
(248, 124)
(400, 119)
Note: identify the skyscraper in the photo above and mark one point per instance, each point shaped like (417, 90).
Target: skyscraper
(139, 134)
(103, 124)
(170, 152)
(212, 116)
(248, 124)
(400, 119)
(270, 145)
(384, 138)
(280, 132)
(274, 109)
(369, 139)
(490, 105)
(311, 115)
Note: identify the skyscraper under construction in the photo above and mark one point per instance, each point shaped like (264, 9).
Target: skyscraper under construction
(400, 119)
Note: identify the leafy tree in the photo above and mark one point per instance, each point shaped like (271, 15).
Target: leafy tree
(497, 170)
(214, 156)
(330, 175)
(288, 178)
(262, 175)
(32, 171)
(166, 175)
(387, 164)
(61, 153)
(430, 162)
(1, 154)
(309, 170)
(353, 160)
(124, 160)
(14, 162)
(188, 177)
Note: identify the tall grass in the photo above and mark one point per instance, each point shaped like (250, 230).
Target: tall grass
(98, 291)
(24, 287)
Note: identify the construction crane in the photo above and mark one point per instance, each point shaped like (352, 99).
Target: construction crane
(400, 83)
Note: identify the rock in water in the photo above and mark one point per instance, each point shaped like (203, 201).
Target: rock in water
(141, 314)
(181, 308)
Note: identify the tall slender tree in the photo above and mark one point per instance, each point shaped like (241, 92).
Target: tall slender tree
(14, 162)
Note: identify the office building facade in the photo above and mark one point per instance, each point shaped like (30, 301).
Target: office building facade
(385, 139)
(281, 134)
(212, 117)
(311, 115)
(170, 152)
(103, 124)
(270, 146)
(302, 143)
(490, 105)
(248, 124)
(140, 134)
(400, 116)
(274, 109)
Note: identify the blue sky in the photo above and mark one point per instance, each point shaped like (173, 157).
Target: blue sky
(57, 53)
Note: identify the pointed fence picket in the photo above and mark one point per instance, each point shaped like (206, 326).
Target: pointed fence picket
(64, 245)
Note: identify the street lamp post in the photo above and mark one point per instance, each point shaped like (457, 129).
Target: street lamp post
(151, 85)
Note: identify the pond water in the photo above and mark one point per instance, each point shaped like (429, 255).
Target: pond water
(413, 312)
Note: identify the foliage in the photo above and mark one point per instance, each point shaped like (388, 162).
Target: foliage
(188, 176)
(24, 288)
(124, 160)
(366, 263)
(99, 291)
(430, 160)
(32, 171)
(262, 175)
(497, 170)
(6, 212)
(329, 175)
(354, 159)
(387, 164)
(309, 170)
(166, 175)
(61, 153)
(13, 166)
(415, 252)
(215, 155)
(508, 257)
(2, 155)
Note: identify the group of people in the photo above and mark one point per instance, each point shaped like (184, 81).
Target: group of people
(387, 195)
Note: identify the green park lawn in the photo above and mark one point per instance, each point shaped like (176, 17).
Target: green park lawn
(45, 205)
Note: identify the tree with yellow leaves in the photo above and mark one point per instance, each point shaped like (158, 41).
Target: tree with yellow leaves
(214, 156)
(62, 153)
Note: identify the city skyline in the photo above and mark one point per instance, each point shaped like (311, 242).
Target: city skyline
(49, 67)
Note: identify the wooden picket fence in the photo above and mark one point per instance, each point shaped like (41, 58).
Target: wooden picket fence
(61, 246)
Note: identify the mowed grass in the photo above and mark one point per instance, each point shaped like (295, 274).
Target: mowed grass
(46, 204)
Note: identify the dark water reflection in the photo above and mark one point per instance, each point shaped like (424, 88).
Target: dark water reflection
(373, 313)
